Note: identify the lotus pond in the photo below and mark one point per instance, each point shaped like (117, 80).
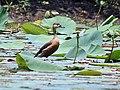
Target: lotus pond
(85, 63)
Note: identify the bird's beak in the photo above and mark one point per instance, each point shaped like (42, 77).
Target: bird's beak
(61, 26)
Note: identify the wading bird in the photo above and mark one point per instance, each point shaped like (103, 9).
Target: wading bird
(51, 46)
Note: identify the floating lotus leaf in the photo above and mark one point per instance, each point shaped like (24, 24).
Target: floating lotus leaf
(89, 73)
(105, 64)
(12, 45)
(26, 61)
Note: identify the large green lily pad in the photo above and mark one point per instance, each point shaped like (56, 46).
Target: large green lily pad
(26, 61)
(12, 45)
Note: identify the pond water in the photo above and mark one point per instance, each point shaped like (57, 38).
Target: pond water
(60, 80)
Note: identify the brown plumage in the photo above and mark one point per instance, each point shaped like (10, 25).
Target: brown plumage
(51, 46)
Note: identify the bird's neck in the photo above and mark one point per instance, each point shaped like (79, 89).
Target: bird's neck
(55, 33)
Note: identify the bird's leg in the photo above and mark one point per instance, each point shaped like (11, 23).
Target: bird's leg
(46, 59)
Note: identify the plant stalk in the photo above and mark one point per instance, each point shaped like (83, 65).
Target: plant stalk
(97, 16)
(97, 57)
(77, 46)
(96, 20)
(109, 58)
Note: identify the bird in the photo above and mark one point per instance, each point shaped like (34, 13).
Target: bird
(50, 47)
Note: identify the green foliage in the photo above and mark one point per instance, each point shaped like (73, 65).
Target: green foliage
(106, 25)
(109, 20)
(42, 39)
(102, 2)
(39, 39)
(66, 46)
(90, 43)
(115, 55)
(12, 45)
(96, 50)
(3, 17)
(20, 5)
(24, 4)
(74, 68)
(30, 28)
(70, 25)
(21, 62)
(102, 29)
(26, 60)
(105, 64)
(72, 52)
(93, 37)
(89, 73)
(114, 30)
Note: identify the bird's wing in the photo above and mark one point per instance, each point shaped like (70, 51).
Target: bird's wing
(43, 47)
(47, 51)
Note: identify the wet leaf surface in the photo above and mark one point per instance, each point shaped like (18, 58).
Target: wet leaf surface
(26, 60)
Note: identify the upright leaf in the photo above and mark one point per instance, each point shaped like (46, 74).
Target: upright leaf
(95, 50)
(72, 52)
(93, 37)
(114, 29)
(115, 54)
(70, 25)
(30, 28)
(3, 17)
(109, 20)
(90, 43)
(66, 46)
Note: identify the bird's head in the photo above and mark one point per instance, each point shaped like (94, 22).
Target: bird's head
(57, 25)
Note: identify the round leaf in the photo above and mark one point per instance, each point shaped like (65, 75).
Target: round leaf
(70, 25)
(26, 60)
(12, 45)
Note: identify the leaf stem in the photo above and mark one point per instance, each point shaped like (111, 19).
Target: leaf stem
(109, 58)
(77, 45)
(96, 20)
(97, 16)
(97, 57)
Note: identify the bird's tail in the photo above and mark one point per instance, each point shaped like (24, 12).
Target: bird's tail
(36, 55)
